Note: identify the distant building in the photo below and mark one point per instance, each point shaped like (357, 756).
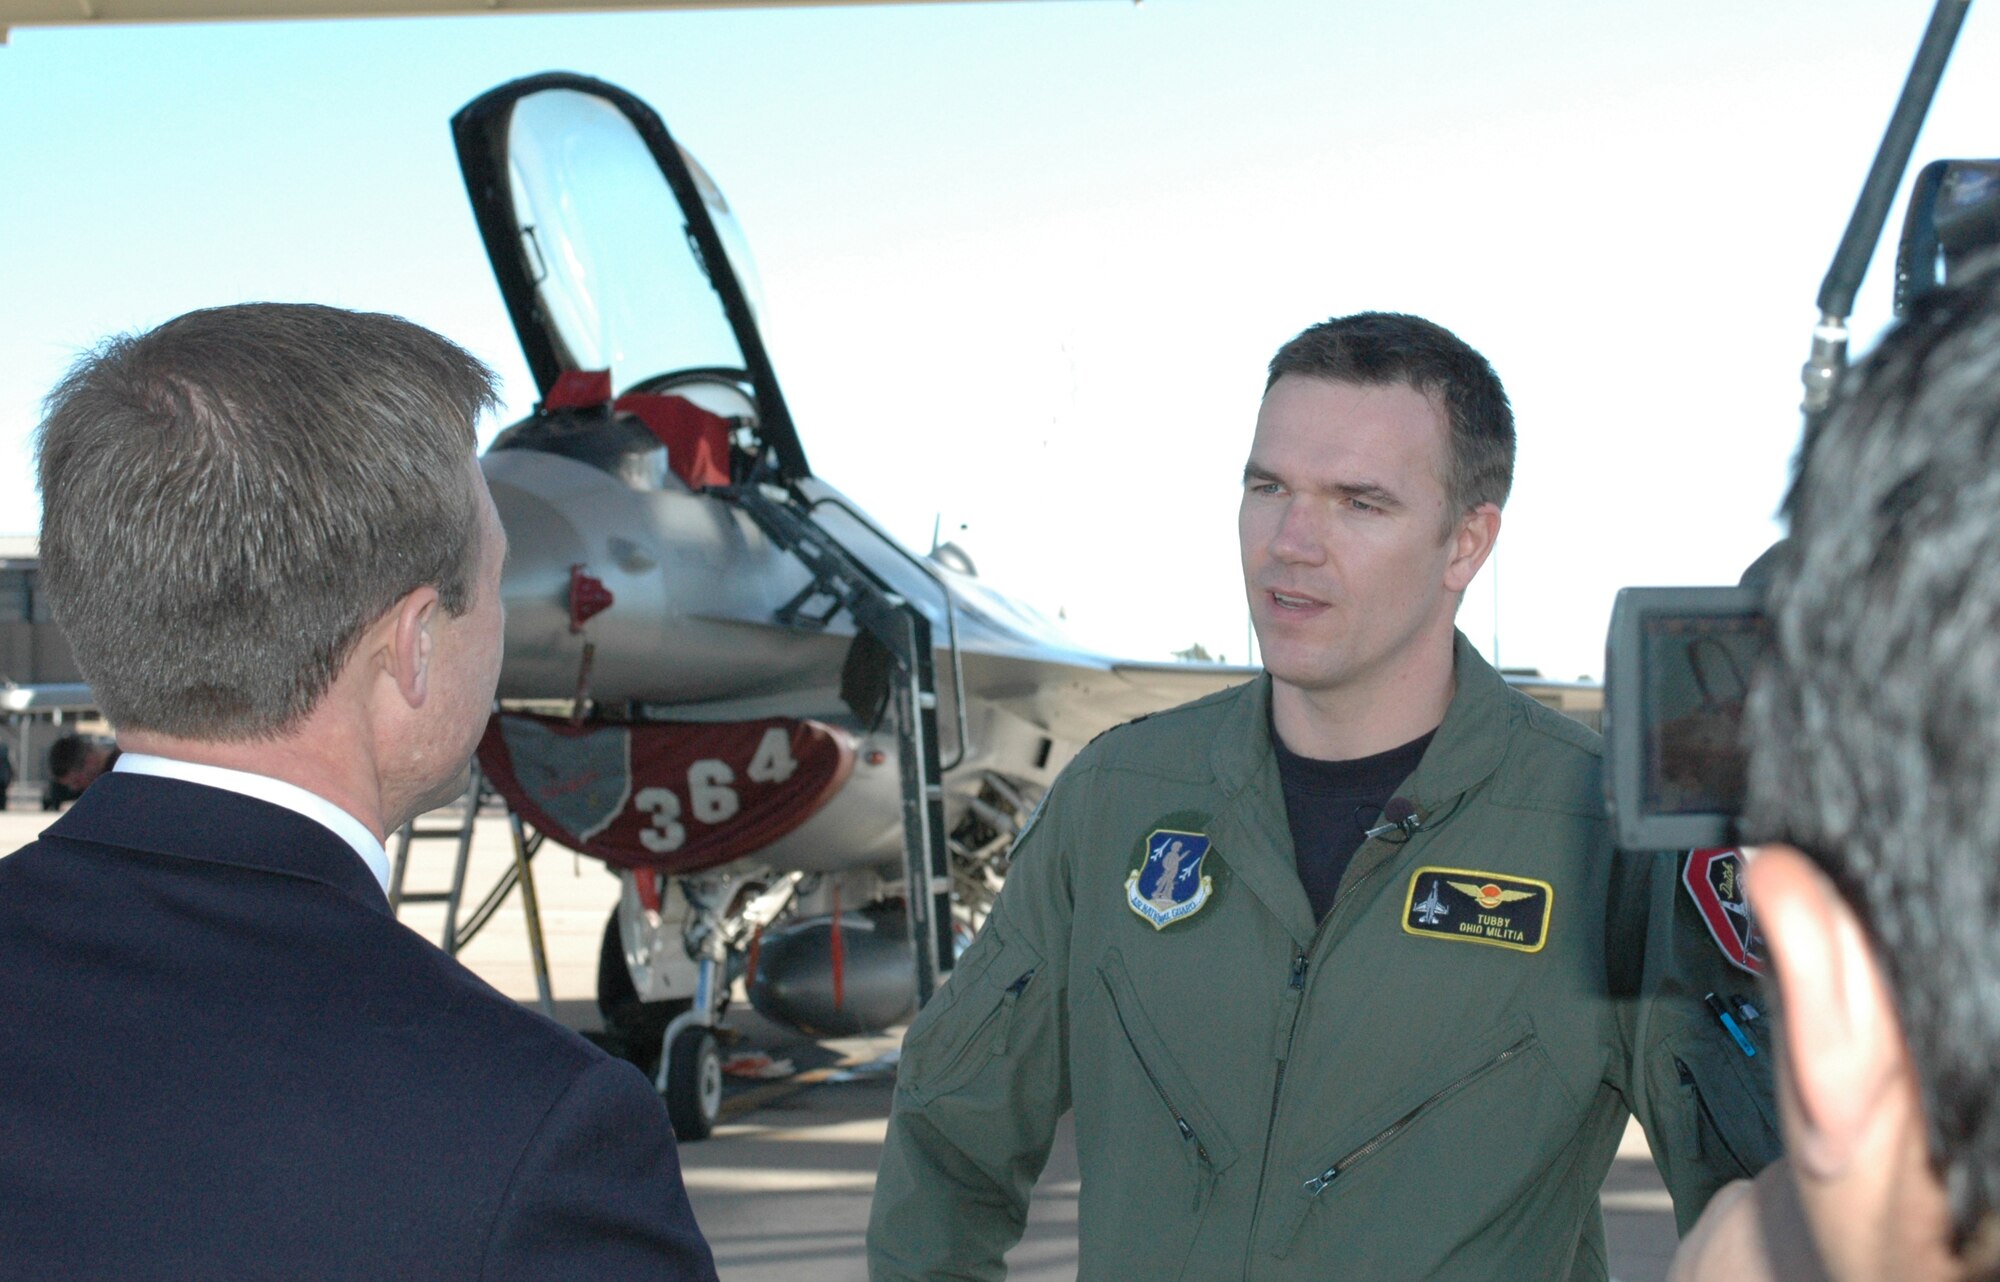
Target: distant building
(33, 652)
(32, 649)
(1581, 699)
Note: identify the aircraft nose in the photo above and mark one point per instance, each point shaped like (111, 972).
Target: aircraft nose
(695, 592)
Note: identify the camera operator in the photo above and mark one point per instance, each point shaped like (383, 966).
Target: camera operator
(1874, 735)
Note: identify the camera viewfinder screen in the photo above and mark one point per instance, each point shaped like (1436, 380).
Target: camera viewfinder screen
(1697, 675)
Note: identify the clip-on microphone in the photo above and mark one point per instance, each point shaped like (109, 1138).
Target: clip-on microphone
(1399, 814)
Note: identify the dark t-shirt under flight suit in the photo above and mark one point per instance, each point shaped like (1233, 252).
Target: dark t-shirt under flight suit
(1331, 805)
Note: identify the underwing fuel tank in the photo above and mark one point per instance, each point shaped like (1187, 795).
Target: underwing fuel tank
(864, 983)
(694, 588)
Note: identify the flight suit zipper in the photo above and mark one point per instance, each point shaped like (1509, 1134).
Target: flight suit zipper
(1319, 1184)
(947, 1075)
(1708, 1113)
(1206, 1179)
(1010, 998)
(1294, 997)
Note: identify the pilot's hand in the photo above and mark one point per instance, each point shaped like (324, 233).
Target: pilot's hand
(1751, 1231)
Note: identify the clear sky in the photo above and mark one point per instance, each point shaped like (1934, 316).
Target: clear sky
(1024, 262)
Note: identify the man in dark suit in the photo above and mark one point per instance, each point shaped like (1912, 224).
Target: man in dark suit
(267, 539)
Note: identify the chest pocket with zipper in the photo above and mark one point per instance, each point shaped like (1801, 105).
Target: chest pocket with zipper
(1455, 1150)
(1168, 1148)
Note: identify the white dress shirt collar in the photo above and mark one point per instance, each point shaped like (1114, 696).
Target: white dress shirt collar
(277, 792)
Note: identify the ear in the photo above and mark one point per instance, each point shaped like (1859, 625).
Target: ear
(408, 644)
(1471, 542)
(1844, 1052)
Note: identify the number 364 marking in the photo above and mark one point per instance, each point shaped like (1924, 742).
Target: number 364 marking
(711, 798)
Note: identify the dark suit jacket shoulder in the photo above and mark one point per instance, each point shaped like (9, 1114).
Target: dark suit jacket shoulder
(223, 1058)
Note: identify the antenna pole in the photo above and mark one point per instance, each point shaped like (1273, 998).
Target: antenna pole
(1823, 368)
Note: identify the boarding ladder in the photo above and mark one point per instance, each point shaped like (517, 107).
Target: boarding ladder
(841, 580)
(456, 823)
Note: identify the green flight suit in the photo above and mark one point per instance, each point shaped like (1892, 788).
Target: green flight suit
(1430, 1084)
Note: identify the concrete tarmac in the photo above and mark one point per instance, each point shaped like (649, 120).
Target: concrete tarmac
(782, 1188)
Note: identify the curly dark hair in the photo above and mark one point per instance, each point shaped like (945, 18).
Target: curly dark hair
(1874, 729)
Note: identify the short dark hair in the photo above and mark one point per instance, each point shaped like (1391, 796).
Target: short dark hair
(1378, 348)
(231, 498)
(1874, 729)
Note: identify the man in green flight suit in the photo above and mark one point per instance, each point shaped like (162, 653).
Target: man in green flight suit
(1337, 968)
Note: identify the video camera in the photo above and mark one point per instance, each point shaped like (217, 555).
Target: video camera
(1679, 661)
(1677, 669)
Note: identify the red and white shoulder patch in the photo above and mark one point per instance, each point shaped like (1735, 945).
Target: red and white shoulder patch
(1714, 880)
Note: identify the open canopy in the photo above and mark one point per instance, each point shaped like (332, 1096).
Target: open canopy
(614, 250)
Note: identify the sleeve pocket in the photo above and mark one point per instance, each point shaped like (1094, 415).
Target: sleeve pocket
(1723, 1100)
(970, 1024)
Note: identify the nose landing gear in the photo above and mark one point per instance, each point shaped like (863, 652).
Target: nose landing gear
(691, 1083)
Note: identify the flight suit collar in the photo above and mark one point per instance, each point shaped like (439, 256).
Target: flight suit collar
(1251, 829)
(1471, 740)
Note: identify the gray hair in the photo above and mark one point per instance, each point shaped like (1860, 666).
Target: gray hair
(1874, 729)
(229, 500)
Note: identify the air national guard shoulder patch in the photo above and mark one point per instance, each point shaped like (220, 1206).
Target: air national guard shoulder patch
(1714, 878)
(1479, 908)
(1169, 886)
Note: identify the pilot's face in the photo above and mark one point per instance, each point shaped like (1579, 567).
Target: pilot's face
(1343, 530)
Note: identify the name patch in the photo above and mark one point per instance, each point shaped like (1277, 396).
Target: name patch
(1475, 907)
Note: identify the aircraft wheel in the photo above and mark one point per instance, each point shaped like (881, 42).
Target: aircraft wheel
(694, 1084)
